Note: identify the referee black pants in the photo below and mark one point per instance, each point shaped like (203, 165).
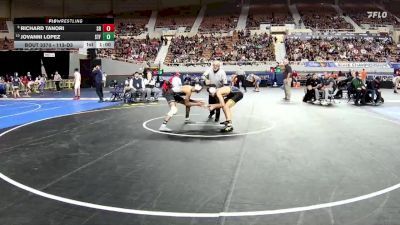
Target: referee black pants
(99, 90)
(217, 112)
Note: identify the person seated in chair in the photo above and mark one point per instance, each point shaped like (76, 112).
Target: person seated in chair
(359, 89)
(316, 87)
(374, 88)
(187, 80)
(328, 88)
(128, 85)
(3, 88)
(150, 87)
(311, 87)
(138, 86)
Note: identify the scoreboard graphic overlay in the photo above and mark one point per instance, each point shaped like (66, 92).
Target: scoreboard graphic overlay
(48, 33)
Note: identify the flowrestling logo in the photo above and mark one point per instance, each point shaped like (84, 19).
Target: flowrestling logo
(377, 15)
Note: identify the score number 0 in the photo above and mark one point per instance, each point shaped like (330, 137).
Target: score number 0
(108, 27)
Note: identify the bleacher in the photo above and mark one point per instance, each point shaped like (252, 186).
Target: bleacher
(395, 10)
(132, 50)
(358, 13)
(220, 17)
(338, 49)
(322, 17)
(269, 14)
(3, 25)
(174, 18)
(132, 24)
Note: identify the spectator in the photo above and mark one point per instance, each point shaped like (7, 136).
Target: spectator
(396, 80)
(132, 50)
(374, 87)
(15, 81)
(138, 86)
(346, 49)
(3, 88)
(30, 83)
(57, 80)
(24, 82)
(359, 88)
(287, 80)
(363, 76)
(42, 83)
(150, 88)
(255, 80)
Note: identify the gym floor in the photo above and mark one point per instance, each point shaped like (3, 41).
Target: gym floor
(285, 163)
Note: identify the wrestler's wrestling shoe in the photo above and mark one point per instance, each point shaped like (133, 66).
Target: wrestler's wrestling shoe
(188, 121)
(227, 129)
(225, 123)
(164, 128)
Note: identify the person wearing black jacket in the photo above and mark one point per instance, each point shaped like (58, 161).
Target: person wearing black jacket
(311, 88)
(98, 79)
(375, 89)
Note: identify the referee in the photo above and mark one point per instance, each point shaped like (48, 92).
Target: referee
(215, 77)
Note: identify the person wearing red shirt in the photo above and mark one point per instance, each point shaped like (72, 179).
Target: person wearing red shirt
(295, 76)
(24, 82)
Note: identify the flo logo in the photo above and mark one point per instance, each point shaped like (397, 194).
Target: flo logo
(376, 15)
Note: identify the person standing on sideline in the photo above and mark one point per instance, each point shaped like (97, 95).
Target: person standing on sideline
(363, 76)
(396, 80)
(104, 79)
(57, 80)
(30, 84)
(15, 81)
(24, 81)
(241, 76)
(77, 84)
(42, 83)
(98, 79)
(287, 80)
(215, 77)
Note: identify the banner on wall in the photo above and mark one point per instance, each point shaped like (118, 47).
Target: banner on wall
(348, 64)
(395, 66)
(319, 64)
(307, 36)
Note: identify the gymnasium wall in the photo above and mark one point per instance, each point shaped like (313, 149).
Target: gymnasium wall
(5, 9)
(36, 8)
(66, 8)
(111, 67)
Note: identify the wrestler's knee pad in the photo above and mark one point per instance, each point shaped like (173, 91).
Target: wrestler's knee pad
(173, 111)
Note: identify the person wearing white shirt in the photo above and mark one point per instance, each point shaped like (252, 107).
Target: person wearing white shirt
(215, 77)
(77, 84)
(57, 79)
(150, 88)
(104, 79)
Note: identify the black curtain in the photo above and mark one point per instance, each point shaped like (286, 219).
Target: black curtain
(21, 62)
(58, 63)
(31, 62)
(86, 67)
